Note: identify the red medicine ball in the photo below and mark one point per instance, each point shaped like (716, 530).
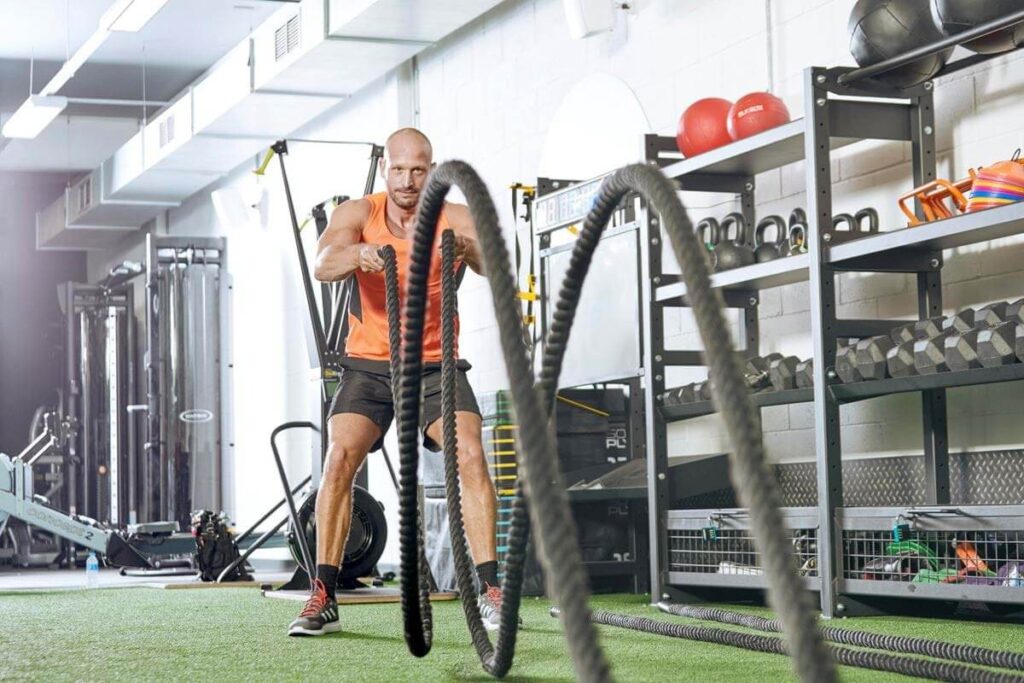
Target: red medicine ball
(702, 126)
(755, 113)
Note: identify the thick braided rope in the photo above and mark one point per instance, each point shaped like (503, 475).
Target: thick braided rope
(956, 652)
(750, 474)
(879, 661)
(463, 561)
(549, 510)
(424, 616)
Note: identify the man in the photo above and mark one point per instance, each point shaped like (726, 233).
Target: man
(362, 409)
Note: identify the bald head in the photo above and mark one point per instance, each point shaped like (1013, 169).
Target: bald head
(408, 158)
(408, 139)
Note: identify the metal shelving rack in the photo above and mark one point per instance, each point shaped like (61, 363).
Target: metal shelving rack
(831, 120)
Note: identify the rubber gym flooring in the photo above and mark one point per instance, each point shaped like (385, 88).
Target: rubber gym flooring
(234, 634)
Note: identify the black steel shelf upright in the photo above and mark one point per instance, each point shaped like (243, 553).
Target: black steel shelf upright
(831, 120)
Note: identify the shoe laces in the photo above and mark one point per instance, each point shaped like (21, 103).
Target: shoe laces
(494, 595)
(317, 600)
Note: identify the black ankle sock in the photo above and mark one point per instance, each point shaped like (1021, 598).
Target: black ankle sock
(329, 575)
(487, 572)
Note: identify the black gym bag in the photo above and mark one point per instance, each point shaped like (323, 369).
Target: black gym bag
(215, 547)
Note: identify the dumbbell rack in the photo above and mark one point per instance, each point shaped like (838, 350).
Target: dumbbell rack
(831, 120)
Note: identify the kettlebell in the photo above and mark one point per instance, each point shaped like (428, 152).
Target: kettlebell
(866, 220)
(733, 252)
(707, 234)
(797, 232)
(841, 219)
(769, 251)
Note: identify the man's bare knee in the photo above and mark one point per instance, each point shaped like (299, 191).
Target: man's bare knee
(342, 464)
(472, 454)
(473, 465)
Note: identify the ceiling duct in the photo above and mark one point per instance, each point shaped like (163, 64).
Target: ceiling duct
(295, 66)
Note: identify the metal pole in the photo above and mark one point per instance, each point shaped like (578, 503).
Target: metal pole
(300, 533)
(152, 448)
(376, 154)
(88, 454)
(307, 281)
(823, 297)
(132, 450)
(71, 418)
(929, 293)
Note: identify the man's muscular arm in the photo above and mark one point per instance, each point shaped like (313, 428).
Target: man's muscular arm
(467, 246)
(339, 252)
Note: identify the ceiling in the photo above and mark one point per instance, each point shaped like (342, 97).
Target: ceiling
(43, 29)
(181, 42)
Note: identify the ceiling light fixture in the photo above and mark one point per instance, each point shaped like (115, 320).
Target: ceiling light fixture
(69, 68)
(34, 115)
(130, 15)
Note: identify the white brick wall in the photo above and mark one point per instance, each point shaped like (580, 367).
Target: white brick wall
(676, 52)
(488, 93)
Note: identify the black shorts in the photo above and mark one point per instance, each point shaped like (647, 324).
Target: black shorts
(365, 390)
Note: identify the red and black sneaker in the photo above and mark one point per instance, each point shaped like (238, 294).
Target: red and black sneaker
(489, 602)
(319, 616)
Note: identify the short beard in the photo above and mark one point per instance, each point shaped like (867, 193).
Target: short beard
(403, 203)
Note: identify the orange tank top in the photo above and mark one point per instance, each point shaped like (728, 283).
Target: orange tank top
(368, 317)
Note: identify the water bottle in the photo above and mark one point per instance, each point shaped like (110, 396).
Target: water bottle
(92, 571)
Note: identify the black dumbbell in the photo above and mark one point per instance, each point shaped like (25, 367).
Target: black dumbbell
(783, 373)
(930, 354)
(805, 373)
(964, 351)
(1015, 310)
(991, 315)
(670, 398)
(761, 363)
(961, 347)
(930, 348)
(871, 356)
(904, 333)
(998, 345)
(899, 360)
(702, 391)
(928, 328)
(687, 393)
(846, 364)
(757, 369)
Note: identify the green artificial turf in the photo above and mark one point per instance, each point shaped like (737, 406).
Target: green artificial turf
(234, 634)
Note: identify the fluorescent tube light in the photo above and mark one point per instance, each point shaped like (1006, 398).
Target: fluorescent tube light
(70, 67)
(130, 15)
(34, 115)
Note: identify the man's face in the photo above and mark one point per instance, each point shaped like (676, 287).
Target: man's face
(406, 165)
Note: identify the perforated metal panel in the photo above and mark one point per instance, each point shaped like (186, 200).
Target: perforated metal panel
(991, 478)
(986, 478)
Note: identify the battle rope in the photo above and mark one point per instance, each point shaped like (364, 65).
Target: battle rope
(750, 474)
(495, 661)
(970, 654)
(549, 510)
(879, 661)
(557, 540)
(387, 254)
